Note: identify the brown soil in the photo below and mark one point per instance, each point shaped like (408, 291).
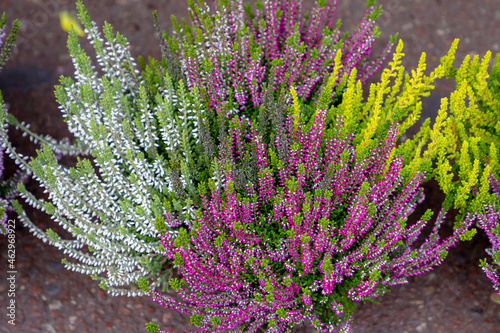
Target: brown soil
(455, 297)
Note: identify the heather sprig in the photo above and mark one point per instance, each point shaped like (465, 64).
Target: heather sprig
(4, 202)
(489, 221)
(7, 41)
(136, 142)
(307, 215)
(229, 50)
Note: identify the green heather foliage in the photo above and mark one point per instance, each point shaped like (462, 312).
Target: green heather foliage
(474, 135)
(7, 187)
(306, 210)
(475, 127)
(137, 139)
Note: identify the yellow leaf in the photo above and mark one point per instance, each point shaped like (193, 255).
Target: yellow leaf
(68, 21)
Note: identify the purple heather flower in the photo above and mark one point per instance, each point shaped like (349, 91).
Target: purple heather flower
(229, 50)
(2, 36)
(489, 221)
(318, 230)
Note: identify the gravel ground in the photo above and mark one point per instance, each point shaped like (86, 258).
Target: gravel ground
(456, 297)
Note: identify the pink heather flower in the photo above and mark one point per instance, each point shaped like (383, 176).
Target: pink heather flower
(302, 226)
(229, 50)
(490, 223)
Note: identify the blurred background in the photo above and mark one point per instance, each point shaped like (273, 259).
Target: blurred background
(455, 297)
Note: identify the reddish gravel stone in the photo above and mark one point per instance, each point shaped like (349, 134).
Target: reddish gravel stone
(150, 309)
(101, 294)
(125, 311)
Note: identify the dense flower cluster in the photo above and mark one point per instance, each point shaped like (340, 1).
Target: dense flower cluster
(490, 223)
(228, 53)
(297, 223)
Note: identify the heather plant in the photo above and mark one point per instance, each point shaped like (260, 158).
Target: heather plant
(307, 209)
(474, 128)
(228, 51)
(137, 139)
(7, 187)
(474, 132)
(133, 136)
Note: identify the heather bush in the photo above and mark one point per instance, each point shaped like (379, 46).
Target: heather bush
(7, 187)
(474, 132)
(475, 128)
(137, 139)
(306, 210)
(228, 51)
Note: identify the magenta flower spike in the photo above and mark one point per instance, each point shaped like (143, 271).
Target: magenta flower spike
(489, 221)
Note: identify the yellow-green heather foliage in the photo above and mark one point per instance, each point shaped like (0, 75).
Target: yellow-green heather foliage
(447, 148)
(397, 98)
(475, 129)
